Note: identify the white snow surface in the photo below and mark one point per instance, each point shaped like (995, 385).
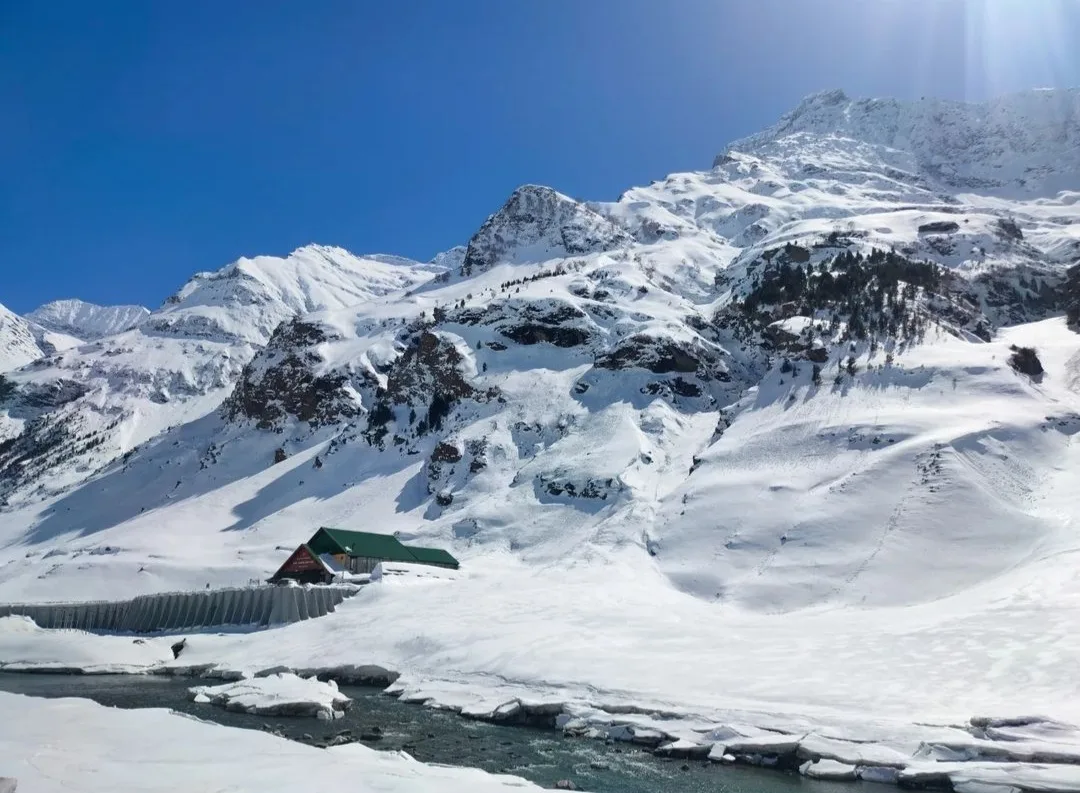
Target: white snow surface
(17, 343)
(82, 320)
(180, 362)
(716, 547)
(283, 694)
(1026, 143)
(248, 299)
(56, 745)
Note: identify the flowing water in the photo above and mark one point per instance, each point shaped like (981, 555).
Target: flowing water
(382, 722)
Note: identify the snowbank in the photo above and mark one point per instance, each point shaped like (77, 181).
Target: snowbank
(23, 645)
(386, 571)
(54, 746)
(281, 694)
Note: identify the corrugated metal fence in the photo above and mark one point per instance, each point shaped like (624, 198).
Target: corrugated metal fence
(169, 611)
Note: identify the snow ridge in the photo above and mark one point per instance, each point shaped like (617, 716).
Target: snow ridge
(18, 346)
(1023, 144)
(87, 321)
(245, 301)
(538, 224)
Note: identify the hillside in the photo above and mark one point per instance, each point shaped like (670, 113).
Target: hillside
(819, 402)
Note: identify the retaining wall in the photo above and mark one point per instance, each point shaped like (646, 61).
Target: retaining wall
(170, 611)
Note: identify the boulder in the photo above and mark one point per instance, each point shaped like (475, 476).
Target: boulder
(940, 227)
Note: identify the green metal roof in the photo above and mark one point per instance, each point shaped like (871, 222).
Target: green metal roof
(360, 543)
(376, 546)
(432, 556)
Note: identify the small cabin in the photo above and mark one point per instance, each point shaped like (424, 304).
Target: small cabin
(331, 554)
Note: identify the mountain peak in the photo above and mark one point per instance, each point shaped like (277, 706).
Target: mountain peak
(538, 223)
(247, 299)
(1025, 143)
(87, 320)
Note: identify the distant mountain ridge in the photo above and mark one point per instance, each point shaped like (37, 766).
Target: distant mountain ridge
(1025, 144)
(86, 320)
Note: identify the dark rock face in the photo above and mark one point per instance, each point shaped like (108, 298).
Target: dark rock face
(1070, 297)
(532, 322)
(431, 365)
(428, 379)
(674, 387)
(451, 464)
(940, 227)
(281, 382)
(446, 453)
(536, 334)
(1007, 228)
(1025, 360)
(539, 217)
(561, 485)
(53, 394)
(663, 356)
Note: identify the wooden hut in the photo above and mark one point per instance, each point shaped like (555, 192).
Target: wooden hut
(330, 553)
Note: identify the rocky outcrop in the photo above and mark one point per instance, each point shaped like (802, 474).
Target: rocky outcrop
(1025, 360)
(1070, 296)
(940, 227)
(536, 224)
(283, 382)
(528, 322)
(663, 355)
(569, 485)
(429, 379)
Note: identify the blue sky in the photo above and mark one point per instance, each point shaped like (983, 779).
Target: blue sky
(142, 141)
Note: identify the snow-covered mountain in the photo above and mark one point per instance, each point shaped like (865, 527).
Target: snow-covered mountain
(18, 346)
(80, 407)
(245, 301)
(1019, 145)
(87, 321)
(830, 381)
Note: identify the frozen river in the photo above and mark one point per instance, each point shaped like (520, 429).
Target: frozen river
(382, 722)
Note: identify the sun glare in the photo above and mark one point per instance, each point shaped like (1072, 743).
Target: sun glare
(1012, 45)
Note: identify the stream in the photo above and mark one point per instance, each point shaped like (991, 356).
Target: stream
(541, 755)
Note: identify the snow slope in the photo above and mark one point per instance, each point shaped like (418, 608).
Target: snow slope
(17, 343)
(1021, 144)
(73, 744)
(751, 441)
(87, 321)
(83, 406)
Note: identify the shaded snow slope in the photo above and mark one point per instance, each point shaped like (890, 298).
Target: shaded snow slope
(87, 321)
(18, 346)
